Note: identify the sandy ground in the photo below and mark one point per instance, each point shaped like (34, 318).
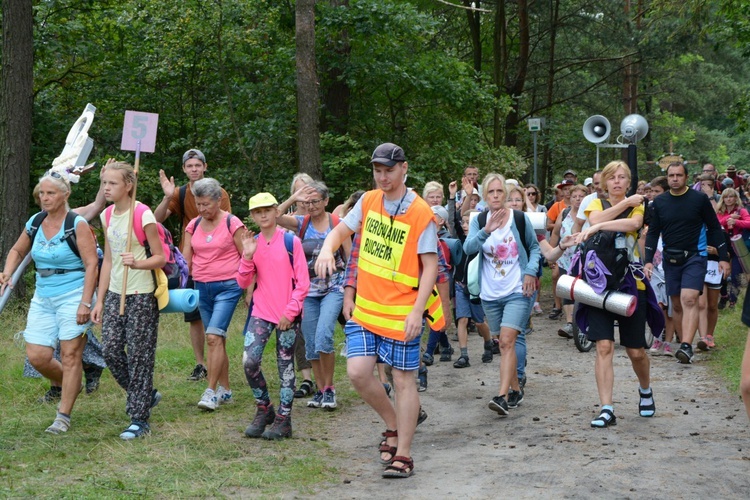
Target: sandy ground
(696, 446)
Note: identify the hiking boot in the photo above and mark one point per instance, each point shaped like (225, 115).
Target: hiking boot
(93, 377)
(462, 362)
(199, 373)
(224, 396)
(316, 400)
(264, 415)
(499, 405)
(555, 313)
(422, 379)
(515, 398)
(566, 331)
(53, 395)
(209, 401)
(329, 399)
(306, 389)
(685, 353)
(428, 359)
(710, 341)
(280, 429)
(447, 354)
(487, 356)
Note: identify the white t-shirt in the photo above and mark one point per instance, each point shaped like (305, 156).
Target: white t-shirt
(501, 272)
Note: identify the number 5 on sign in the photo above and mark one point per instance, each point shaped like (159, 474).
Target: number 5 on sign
(139, 126)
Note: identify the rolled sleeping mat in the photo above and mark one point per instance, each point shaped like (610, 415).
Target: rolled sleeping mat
(574, 288)
(741, 251)
(182, 300)
(538, 220)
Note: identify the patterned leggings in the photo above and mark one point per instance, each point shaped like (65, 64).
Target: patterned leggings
(257, 333)
(136, 331)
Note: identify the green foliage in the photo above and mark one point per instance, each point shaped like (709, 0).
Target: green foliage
(221, 76)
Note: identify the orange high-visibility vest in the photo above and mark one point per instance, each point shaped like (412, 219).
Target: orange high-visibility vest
(389, 268)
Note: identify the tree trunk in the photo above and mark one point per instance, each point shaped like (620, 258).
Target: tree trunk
(335, 115)
(506, 84)
(517, 85)
(16, 103)
(308, 133)
(476, 35)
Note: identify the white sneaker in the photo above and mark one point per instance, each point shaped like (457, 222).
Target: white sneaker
(208, 401)
(223, 396)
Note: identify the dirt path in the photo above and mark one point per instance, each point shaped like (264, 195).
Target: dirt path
(695, 447)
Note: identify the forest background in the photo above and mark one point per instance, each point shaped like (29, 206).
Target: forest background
(266, 89)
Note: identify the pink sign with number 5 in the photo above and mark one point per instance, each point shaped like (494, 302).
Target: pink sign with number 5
(139, 126)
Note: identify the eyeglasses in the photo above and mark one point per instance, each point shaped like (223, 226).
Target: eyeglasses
(310, 202)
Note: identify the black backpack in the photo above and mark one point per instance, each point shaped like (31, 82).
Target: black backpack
(69, 233)
(611, 249)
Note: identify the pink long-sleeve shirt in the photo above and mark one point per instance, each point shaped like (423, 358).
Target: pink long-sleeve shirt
(740, 224)
(274, 295)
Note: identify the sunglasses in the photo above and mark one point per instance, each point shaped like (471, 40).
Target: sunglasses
(531, 194)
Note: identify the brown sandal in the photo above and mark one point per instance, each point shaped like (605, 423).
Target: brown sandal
(386, 448)
(397, 471)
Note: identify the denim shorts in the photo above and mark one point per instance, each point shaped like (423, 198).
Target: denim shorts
(318, 322)
(400, 355)
(54, 318)
(465, 308)
(218, 300)
(691, 275)
(508, 312)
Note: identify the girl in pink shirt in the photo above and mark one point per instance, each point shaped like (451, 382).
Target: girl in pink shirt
(282, 283)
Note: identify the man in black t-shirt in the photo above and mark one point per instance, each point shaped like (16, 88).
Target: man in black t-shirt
(679, 216)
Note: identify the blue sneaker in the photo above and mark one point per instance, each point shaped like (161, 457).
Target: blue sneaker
(329, 399)
(316, 401)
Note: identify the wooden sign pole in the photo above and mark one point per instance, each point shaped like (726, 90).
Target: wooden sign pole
(139, 135)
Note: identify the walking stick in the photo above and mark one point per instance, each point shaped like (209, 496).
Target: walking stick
(139, 135)
(129, 243)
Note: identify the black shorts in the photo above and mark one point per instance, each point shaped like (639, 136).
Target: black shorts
(632, 329)
(194, 315)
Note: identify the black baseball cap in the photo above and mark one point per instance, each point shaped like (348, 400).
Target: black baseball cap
(388, 154)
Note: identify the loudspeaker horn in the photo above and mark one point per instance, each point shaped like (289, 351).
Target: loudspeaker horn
(596, 129)
(634, 128)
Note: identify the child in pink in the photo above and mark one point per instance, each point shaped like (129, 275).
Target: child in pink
(282, 282)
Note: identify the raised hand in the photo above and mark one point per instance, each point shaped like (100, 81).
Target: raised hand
(167, 184)
(249, 245)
